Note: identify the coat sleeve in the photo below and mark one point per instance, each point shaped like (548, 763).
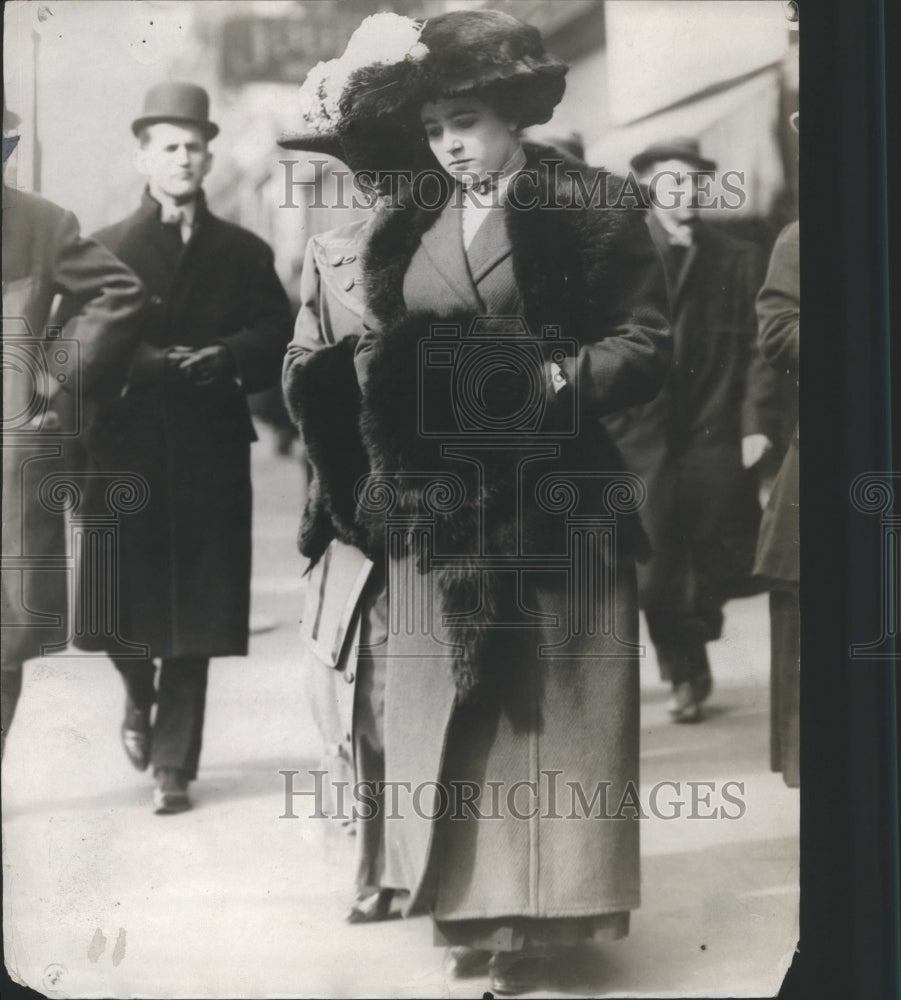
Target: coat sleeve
(309, 335)
(763, 401)
(627, 348)
(258, 347)
(778, 304)
(102, 300)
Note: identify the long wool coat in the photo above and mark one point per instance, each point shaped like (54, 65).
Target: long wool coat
(503, 692)
(44, 256)
(184, 564)
(702, 513)
(778, 311)
(331, 309)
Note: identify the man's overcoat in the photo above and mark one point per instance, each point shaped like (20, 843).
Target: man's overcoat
(702, 512)
(779, 309)
(44, 256)
(184, 557)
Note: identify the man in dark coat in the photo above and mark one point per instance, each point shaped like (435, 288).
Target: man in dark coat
(696, 445)
(778, 550)
(215, 330)
(49, 378)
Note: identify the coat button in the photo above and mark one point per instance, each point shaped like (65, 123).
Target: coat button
(350, 258)
(156, 300)
(348, 284)
(337, 260)
(349, 677)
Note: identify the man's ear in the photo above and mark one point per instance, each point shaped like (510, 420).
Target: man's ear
(207, 163)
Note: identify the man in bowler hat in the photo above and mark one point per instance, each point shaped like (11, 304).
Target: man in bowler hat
(216, 329)
(697, 445)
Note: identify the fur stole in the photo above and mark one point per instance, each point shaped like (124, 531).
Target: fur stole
(326, 400)
(565, 258)
(492, 509)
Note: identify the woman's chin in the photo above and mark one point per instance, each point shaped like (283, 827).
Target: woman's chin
(466, 178)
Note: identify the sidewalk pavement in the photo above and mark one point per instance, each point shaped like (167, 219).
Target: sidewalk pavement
(103, 898)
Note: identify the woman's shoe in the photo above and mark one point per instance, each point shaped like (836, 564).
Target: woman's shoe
(371, 908)
(461, 961)
(514, 972)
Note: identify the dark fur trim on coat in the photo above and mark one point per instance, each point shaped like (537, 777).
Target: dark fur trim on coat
(493, 512)
(326, 398)
(568, 264)
(564, 259)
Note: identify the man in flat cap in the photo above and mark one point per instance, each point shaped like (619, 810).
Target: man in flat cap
(699, 443)
(216, 329)
(50, 377)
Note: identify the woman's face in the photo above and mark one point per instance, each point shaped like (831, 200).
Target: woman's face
(468, 137)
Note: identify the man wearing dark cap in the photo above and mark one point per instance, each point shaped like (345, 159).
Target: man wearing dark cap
(49, 378)
(698, 443)
(215, 330)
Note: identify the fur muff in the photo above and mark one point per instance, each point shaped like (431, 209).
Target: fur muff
(326, 399)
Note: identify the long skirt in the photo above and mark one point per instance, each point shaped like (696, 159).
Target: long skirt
(546, 847)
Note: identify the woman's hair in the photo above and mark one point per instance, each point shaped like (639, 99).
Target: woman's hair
(523, 101)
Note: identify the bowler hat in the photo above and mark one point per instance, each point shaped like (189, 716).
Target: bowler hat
(178, 103)
(681, 148)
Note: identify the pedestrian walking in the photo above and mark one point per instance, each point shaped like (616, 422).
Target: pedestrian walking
(215, 330)
(778, 549)
(345, 605)
(501, 891)
(696, 445)
(47, 389)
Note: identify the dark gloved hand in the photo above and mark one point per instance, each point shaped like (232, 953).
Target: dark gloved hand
(207, 365)
(173, 358)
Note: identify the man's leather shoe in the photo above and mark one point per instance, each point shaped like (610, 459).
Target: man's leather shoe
(372, 908)
(135, 736)
(514, 972)
(171, 792)
(460, 962)
(701, 687)
(684, 706)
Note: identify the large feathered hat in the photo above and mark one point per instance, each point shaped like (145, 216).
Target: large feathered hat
(363, 107)
(386, 45)
(465, 51)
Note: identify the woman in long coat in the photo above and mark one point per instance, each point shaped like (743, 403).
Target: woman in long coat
(496, 338)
